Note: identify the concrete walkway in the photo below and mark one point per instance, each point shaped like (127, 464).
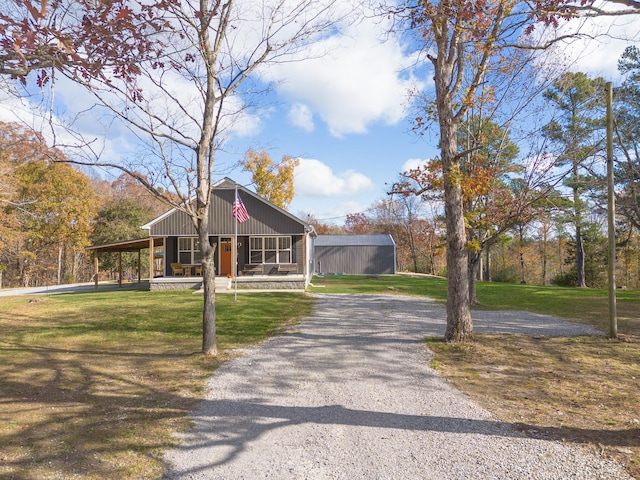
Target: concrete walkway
(71, 288)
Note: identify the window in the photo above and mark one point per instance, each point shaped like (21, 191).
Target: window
(270, 249)
(284, 250)
(189, 251)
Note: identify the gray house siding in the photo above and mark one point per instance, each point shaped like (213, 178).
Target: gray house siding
(264, 218)
(355, 254)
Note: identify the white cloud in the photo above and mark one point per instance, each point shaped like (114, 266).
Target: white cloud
(351, 80)
(413, 163)
(314, 178)
(597, 55)
(337, 214)
(330, 214)
(300, 115)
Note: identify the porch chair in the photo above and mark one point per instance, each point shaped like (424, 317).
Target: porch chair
(198, 269)
(177, 269)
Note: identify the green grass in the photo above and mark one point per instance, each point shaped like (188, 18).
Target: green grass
(93, 385)
(586, 305)
(433, 287)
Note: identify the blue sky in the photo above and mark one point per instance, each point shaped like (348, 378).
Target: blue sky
(346, 115)
(353, 131)
(339, 175)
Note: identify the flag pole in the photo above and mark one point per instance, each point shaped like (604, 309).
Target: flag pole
(235, 249)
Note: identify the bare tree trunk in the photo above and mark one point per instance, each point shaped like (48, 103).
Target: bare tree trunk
(560, 259)
(487, 261)
(474, 262)
(432, 254)
(523, 279)
(59, 263)
(578, 226)
(414, 256)
(459, 323)
(543, 252)
(209, 344)
(581, 282)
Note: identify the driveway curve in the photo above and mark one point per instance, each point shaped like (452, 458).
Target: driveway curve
(349, 394)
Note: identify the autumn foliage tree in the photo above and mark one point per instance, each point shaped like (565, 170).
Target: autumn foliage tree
(471, 46)
(497, 194)
(465, 41)
(273, 181)
(45, 216)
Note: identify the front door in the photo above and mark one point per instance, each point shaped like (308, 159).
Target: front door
(226, 256)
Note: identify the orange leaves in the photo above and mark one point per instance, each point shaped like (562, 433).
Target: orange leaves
(427, 177)
(124, 14)
(358, 223)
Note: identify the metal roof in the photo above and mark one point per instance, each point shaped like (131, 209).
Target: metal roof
(127, 245)
(374, 240)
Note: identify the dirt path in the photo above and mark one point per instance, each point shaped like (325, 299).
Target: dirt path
(348, 394)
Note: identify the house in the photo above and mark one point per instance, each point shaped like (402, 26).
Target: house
(273, 247)
(354, 254)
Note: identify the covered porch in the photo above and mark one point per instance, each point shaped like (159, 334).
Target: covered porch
(165, 274)
(155, 254)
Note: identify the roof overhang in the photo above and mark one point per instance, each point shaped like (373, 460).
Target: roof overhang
(127, 245)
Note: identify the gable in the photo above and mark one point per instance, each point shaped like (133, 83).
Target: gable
(264, 217)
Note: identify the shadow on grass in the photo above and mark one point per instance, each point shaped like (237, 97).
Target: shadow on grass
(93, 414)
(628, 437)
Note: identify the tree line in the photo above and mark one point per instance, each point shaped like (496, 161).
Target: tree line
(50, 211)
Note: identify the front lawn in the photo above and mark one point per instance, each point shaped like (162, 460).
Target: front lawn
(93, 385)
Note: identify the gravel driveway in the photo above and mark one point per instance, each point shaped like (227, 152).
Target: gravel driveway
(349, 394)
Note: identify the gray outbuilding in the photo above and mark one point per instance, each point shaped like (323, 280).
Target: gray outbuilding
(354, 254)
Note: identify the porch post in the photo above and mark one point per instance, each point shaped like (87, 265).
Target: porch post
(139, 265)
(152, 260)
(120, 269)
(95, 269)
(305, 260)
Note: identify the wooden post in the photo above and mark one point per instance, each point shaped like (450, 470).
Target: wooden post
(611, 215)
(95, 269)
(305, 260)
(139, 265)
(152, 260)
(120, 269)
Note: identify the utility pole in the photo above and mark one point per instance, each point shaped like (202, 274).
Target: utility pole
(611, 217)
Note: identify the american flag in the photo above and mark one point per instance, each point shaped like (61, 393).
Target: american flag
(239, 210)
